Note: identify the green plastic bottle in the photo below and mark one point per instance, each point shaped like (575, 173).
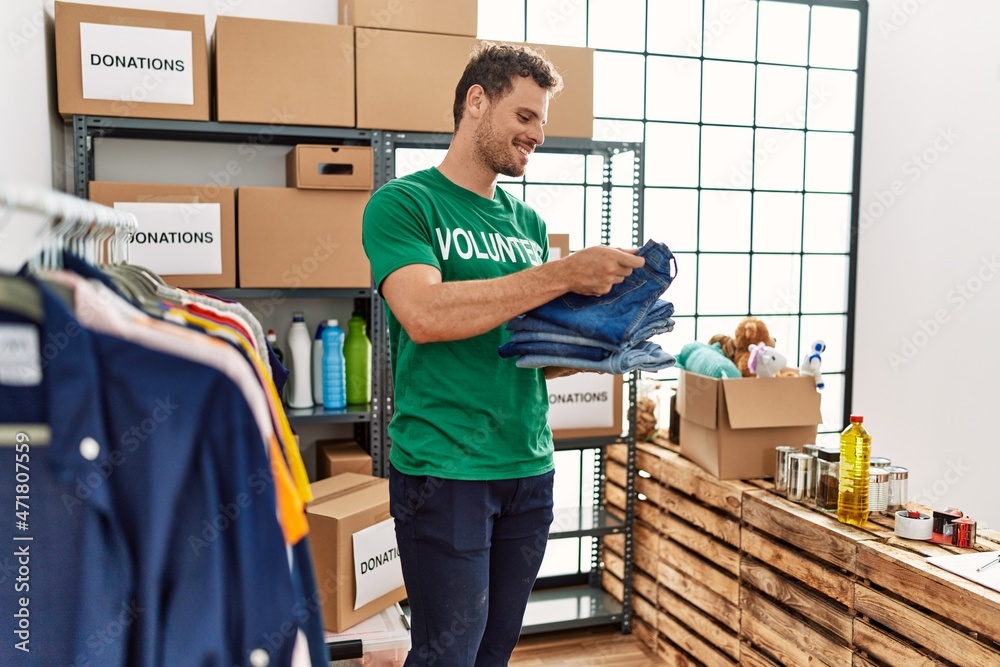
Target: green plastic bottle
(358, 359)
(855, 457)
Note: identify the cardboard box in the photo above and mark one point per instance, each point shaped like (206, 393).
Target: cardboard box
(292, 238)
(446, 17)
(330, 167)
(342, 506)
(283, 72)
(130, 62)
(585, 405)
(731, 427)
(406, 82)
(558, 246)
(207, 253)
(571, 111)
(335, 457)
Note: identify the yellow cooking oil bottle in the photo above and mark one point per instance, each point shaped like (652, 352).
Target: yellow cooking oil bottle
(855, 456)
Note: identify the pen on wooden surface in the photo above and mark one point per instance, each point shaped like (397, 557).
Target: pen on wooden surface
(992, 562)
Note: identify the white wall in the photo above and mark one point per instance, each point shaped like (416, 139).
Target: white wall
(928, 295)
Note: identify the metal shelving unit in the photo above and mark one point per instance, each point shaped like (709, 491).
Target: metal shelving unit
(89, 130)
(569, 601)
(558, 602)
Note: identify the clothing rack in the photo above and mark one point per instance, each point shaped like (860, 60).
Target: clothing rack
(91, 230)
(96, 232)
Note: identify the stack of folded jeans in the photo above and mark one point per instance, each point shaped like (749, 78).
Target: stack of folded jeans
(601, 333)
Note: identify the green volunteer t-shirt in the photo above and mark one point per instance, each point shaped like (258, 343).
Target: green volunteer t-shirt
(460, 411)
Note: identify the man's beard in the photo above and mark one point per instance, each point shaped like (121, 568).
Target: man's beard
(494, 152)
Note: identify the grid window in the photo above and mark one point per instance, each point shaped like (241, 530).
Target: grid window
(748, 112)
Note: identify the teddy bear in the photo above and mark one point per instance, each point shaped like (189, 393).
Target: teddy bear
(765, 361)
(750, 331)
(812, 361)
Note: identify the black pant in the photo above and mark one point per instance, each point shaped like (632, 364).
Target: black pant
(470, 552)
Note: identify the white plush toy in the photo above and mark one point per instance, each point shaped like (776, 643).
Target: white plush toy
(812, 361)
(765, 361)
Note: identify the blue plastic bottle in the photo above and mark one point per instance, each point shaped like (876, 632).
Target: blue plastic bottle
(334, 380)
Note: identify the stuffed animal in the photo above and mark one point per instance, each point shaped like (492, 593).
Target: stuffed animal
(812, 361)
(765, 361)
(706, 360)
(751, 331)
(726, 345)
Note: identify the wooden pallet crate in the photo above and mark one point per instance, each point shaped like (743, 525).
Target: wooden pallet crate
(912, 612)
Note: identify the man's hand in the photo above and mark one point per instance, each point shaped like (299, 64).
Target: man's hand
(553, 372)
(595, 270)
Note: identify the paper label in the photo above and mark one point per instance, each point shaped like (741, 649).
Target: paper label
(176, 239)
(20, 355)
(584, 400)
(376, 563)
(134, 64)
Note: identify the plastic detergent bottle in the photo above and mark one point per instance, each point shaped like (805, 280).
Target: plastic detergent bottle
(334, 390)
(358, 361)
(317, 364)
(855, 457)
(300, 348)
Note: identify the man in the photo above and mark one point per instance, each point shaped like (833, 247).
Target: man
(455, 258)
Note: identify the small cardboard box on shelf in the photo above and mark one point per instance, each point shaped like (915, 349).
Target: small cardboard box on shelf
(316, 167)
(338, 456)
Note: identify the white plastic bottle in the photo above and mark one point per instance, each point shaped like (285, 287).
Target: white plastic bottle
(334, 377)
(317, 363)
(300, 349)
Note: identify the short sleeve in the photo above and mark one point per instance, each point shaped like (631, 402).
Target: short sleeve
(396, 232)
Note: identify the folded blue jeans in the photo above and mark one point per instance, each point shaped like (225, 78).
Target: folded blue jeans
(616, 316)
(644, 356)
(656, 321)
(555, 349)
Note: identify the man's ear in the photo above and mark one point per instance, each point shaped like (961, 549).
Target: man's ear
(476, 101)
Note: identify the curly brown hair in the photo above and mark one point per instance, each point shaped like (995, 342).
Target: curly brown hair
(494, 66)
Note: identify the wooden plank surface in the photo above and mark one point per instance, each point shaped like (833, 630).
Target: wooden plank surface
(693, 565)
(794, 563)
(616, 473)
(887, 649)
(702, 543)
(716, 524)
(602, 646)
(815, 533)
(645, 631)
(779, 631)
(673, 656)
(645, 586)
(908, 575)
(691, 643)
(750, 657)
(677, 472)
(796, 599)
(644, 609)
(919, 628)
(701, 624)
(699, 595)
